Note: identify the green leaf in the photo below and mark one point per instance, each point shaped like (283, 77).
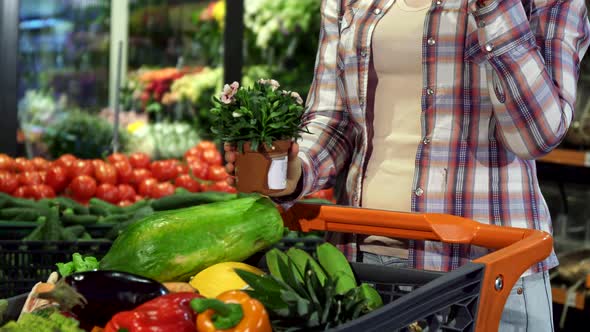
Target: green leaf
(264, 282)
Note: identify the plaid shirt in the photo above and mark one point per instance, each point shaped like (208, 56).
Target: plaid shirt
(499, 91)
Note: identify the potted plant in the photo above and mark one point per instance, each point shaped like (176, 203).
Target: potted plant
(261, 121)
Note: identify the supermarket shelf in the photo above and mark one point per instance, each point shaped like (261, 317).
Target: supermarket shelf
(568, 157)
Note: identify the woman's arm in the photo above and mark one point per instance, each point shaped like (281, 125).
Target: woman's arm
(536, 63)
(326, 149)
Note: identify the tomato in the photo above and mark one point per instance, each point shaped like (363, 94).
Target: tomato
(23, 165)
(185, 181)
(43, 175)
(206, 145)
(65, 161)
(23, 192)
(126, 192)
(29, 178)
(199, 169)
(181, 169)
(211, 157)
(108, 193)
(81, 167)
(97, 163)
(139, 160)
(164, 170)
(192, 153)
(139, 175)
(146, 186)
(222, 186)
(124, 171)
(138, 198)
(6, 163)
(8, 182)
(125, 203)
(216, 173)
(162, 189)
(105, 173)
(83, 187)
(40, 191)
(115, 157)
(57, 178)
(40, 164)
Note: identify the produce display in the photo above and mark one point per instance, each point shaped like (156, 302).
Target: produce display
(120, 179)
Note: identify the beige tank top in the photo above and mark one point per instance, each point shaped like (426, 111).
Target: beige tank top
(397, 59)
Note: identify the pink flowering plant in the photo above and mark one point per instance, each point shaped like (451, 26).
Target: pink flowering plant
(259, 114)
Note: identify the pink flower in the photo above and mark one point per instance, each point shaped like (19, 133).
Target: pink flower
(229, 91)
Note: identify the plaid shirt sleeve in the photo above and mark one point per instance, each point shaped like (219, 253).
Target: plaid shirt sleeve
(325, 150)
(535, 64)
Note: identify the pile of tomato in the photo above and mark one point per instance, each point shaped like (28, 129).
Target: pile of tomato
(119, 179)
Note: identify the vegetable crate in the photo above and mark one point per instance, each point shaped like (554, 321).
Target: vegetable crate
(470, 298)
(23, 264)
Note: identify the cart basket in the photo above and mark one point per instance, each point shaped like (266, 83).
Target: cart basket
(470, 298)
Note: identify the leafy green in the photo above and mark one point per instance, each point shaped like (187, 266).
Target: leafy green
(31, 322)
(78, 264)
(82, 134)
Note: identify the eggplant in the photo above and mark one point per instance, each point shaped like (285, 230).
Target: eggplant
(110, 292)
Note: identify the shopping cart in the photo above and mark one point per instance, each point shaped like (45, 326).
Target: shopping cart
(470, 298)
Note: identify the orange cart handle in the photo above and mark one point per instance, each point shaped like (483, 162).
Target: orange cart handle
(517, 249)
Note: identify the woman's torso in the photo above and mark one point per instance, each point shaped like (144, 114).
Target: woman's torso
(461, 167)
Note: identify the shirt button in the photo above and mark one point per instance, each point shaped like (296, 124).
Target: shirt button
(419, 192)
(439, 2)
(489, 47)
(431, 41)
(377, 11)
(519, 291)
(481, 24)
(364, 52)
(426, 140)
(429, 91)
(362, 102)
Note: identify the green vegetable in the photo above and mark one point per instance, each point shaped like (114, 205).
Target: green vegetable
(85, 135)
(175, 245)
(77, 230)
(187, 199)
(73, 219)
(30, 322)
(3, 308)
(66, 203)
(49, 229)
(19, 213)
(78, 264)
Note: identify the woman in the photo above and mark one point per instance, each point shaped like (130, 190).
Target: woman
(442, 107)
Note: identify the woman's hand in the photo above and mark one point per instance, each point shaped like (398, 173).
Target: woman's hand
(293, 169)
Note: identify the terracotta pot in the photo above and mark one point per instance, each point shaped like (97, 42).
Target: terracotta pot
(262, 171)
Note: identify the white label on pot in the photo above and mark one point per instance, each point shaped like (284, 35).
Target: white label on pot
(277, 174)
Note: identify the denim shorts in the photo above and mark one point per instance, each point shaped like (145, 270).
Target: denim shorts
(529, 307)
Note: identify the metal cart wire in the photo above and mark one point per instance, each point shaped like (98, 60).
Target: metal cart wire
(470, 298)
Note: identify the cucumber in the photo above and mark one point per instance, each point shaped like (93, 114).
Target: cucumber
(175, 245)
(187, 199)
(73, 219)
(19, 213)
(67, 203)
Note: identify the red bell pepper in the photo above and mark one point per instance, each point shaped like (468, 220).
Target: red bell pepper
(167, 313)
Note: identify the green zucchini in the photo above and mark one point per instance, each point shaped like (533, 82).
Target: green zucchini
(187, 199)
(175, 245)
